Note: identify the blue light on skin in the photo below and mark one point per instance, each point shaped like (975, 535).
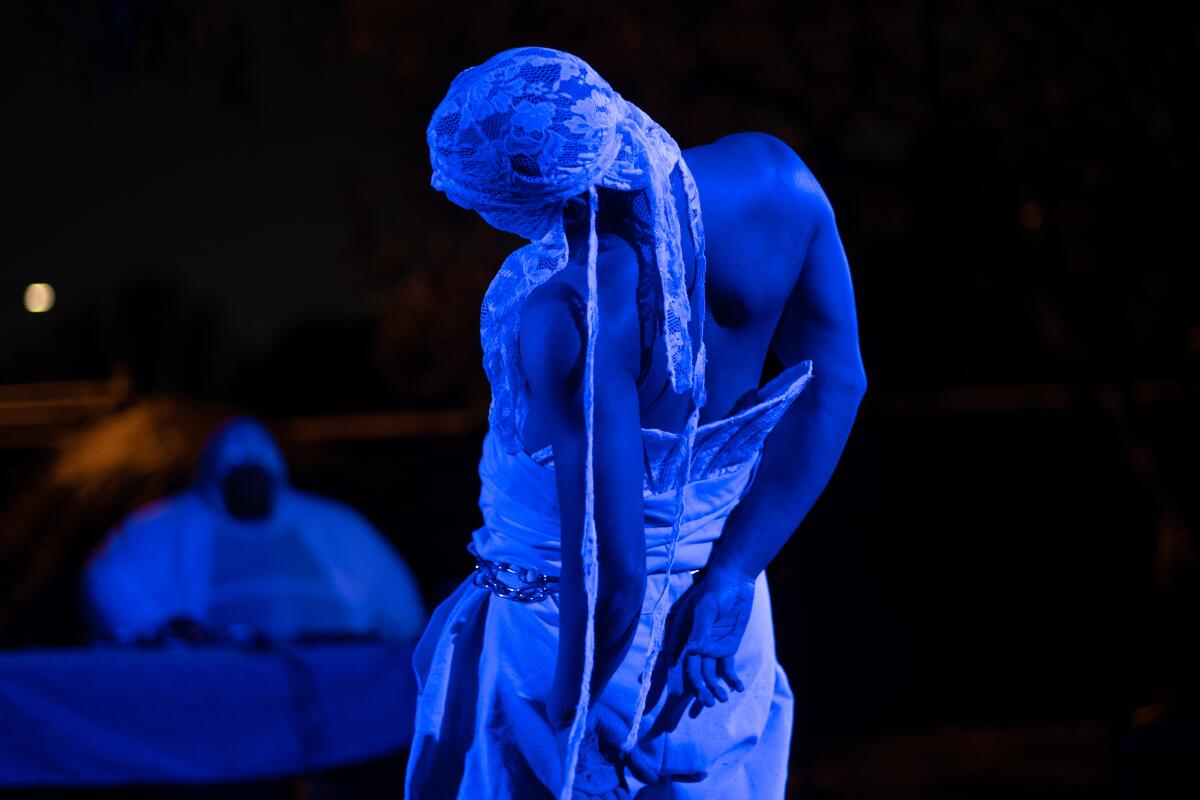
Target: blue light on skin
(778, 281)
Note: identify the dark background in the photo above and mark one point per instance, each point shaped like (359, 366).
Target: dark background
(996, 592)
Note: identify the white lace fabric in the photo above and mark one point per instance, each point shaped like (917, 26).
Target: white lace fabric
(514, 139)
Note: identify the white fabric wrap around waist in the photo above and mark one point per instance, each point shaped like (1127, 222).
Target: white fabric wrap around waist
(519, 501)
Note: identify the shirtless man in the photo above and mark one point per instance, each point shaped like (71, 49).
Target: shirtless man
(777, 281)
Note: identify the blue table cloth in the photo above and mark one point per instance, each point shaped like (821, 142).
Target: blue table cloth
(207, 714)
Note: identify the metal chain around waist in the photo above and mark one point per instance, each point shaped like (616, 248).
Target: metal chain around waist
(534, 586)
(530, 586)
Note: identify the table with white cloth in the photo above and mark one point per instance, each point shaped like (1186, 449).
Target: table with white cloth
(207, 713)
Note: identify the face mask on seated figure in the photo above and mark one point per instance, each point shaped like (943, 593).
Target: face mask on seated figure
(242, 471)
(249, 492)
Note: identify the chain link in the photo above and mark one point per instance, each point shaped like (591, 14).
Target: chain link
(534, 586)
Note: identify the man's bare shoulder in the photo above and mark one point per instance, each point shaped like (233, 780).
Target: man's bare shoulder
(763, 171)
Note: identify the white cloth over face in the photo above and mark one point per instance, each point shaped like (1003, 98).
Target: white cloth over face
(484, 665)
(312, 566)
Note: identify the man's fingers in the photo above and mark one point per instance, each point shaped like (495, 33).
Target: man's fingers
(708, 668)
(727, 671)
(692, 670)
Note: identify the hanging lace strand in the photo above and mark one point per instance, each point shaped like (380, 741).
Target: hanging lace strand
(699, 399)
(589, 549)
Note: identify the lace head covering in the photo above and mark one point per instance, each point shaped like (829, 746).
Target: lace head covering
(514, 139)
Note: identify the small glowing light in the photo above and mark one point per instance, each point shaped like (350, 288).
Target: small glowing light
(39, 297)
(1032, 216)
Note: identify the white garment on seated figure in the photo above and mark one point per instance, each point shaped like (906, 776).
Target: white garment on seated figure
(313, 565)
(269, 580)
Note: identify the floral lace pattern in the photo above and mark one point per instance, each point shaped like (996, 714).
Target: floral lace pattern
(514, 139)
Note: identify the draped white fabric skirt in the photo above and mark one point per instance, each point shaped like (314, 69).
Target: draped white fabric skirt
(485, 663)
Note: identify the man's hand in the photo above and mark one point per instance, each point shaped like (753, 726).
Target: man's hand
(705, 630)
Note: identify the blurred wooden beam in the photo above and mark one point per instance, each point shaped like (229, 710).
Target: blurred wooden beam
(383, 425)
(34, 416)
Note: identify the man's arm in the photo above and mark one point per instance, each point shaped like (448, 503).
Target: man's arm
(553, 344)
(818, 323)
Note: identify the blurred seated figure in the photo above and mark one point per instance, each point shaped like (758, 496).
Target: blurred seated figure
(242, 552)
